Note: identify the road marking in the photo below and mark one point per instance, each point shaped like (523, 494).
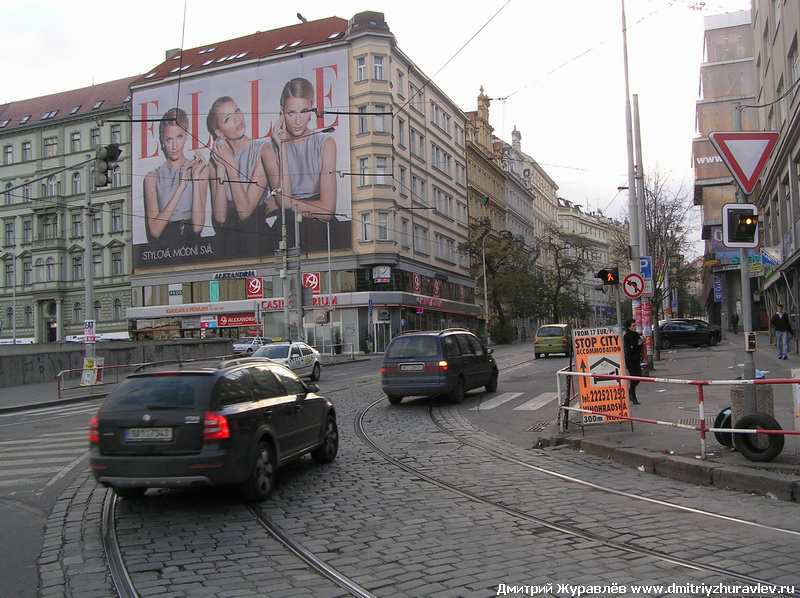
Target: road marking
(540, 401)
(496, 401)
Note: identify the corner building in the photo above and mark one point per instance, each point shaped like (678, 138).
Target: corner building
(348, 235)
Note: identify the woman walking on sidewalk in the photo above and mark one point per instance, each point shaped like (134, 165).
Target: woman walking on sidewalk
(783, 328)
(632, 342)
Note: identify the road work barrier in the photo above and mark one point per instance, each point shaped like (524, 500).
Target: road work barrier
(757, 436)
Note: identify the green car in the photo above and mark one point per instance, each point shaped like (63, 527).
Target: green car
(553, 338)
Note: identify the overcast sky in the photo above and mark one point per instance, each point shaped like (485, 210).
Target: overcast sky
(558, 64)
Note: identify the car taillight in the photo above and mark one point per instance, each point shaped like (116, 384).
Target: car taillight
(94, 429)
(536, 341)
(443, 366)
(215, 426)
(564, 341)
(383, 369)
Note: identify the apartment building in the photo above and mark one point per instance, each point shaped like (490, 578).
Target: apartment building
(48, 146)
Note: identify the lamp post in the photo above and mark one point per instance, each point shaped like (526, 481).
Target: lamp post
(485, 288)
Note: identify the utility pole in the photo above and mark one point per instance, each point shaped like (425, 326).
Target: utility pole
(647, 318)
(89, 274)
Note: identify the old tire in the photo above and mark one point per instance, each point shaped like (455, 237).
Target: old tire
(723, 420)
(316, 371)
(749, 445)
(491, 386)
(259, 483)
(457, 394)
(326, 452)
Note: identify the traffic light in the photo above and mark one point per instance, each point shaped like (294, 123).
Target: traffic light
(485, 199)
(102, 163)
(608, 275)
(740, 225)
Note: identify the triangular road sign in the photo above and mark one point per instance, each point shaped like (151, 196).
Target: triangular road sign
(745, 153)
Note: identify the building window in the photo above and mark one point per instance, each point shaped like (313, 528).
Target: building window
(27, 271)
(116, 220)
(403, 176)
(95, 138)
(77, 224)
(420, 239)
(10, 318)
(366, 227)
(381, 170)
(459, 137)
(10, 232)
(28, 316)
(404, 232)
(418, 190)
(381, 119)
(77, 313)
(117, 309)
(77, 268)
(8, 154)
(76, 141)
(9, 194)
(417, 144)
(27, 231)
(46, 229)
(401, 84)
(97, 221)
(77, 188)
(40, 270)
(50, 147)
(116, 133)
(383, 226)
(461, 213)
(461, 174)
(116, 177)
(53, 187)
(10, 274)
(98, 311)
(794, 65)
(97, 265)
(377, 68)
(363, 120)
(441, 159)
(361, 68)
(116, 263)
(401, 132)
(51, 269)
(442, 202)
(363, 169)
(27, 192)
(416, 98)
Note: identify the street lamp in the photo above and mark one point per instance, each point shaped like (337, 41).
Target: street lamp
(485, 288)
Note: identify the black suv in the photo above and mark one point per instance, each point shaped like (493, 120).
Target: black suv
(448, 362)
(186, 424)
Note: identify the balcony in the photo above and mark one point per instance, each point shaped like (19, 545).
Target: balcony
(49, 244)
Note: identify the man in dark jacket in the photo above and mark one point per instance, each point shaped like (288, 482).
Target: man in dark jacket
(783, 328)
(632, 344)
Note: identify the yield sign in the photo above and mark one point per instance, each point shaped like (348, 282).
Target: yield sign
(745, 153)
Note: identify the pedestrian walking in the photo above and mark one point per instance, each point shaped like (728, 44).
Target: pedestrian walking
(632, 344)
(783, 328)
(735, 323)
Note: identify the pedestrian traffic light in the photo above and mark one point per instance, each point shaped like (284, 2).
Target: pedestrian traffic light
(608, 275)
(485, 199)
(102, 163)
(740, 225)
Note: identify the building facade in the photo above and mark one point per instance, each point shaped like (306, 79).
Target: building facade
(48, 146)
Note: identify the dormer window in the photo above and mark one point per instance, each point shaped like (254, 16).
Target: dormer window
(98, 104)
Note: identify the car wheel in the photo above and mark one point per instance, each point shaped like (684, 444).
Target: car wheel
(457, 395)
(259, 483)
(249, 351)
(326, 452)
(538, 355)
(753, 446)
(130, 492)
(394, 399)
(315, 372)
(491, 386)
(712, 340)
(665, 343)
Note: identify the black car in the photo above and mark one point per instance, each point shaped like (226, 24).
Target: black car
(682, 332)
(182, 425)
(447, 362)
(702, 324)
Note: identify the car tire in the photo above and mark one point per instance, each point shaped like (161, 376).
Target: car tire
(665, 343)
(491, 386)
(315, 372)
(258, 484)
(712, 340)
(130, 492)
(457, 394)
(538, 355)
(249, 351)
(326, 452)
(748, 444)
(394, 399)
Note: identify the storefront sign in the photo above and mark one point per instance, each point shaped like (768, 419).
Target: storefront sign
(232, 320)
(255, 288)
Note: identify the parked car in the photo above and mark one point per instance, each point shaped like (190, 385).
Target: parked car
(183, 425)
(553, 338)
(250, 344)
(447, 362)
(681, 332)
(302, 359)
(702, 324)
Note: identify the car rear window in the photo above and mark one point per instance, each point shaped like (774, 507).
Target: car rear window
(550, 331)
(413, 347)
(273, 351)
(162, 391)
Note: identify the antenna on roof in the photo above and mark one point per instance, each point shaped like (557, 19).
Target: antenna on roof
(302, 18)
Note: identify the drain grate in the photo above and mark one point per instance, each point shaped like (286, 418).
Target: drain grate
(539, 426)
(695, 421)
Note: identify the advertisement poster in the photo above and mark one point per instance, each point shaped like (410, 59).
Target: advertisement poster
(220, 159)
(599, 351)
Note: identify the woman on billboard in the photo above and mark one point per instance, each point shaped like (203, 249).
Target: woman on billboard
(307, 159)
(175, 206)
(239, 183)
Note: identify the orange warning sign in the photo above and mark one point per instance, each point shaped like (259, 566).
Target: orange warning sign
(599, 351)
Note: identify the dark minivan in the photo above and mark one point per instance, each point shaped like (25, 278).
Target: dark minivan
(443, 362)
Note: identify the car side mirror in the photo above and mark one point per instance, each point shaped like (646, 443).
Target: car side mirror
(489, 350)
(312, 387)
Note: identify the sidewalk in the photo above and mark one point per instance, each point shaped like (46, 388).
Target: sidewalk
(676, 452)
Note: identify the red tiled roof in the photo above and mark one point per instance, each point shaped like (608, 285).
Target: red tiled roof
(111, 94)
(286, 40)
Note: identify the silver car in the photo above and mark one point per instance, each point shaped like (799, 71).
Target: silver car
(299, 357)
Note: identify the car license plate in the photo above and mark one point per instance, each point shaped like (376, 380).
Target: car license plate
(411, 367)
(164, 434)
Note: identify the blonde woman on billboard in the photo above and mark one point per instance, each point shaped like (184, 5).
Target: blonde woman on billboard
(175, 206)
(239, 185)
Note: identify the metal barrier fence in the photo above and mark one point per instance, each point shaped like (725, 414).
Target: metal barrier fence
(564, 407)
